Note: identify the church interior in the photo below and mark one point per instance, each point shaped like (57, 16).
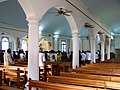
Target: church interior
(59, 45)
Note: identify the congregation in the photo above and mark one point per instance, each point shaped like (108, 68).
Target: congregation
(53, 56)
(59, 56)
(8, 57)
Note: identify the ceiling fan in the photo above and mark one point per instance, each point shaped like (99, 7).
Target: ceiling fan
(100, 32)
(88, 25)
(62, 11)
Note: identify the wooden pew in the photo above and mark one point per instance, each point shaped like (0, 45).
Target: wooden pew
(89, 76)
(64, 67)
(84, 82)
(22, 67)
(102, 66)
(57, 67)
(111, 61)
(0, 77)
(15, 75)
(95, 72)
(56, 86)
(44, 72)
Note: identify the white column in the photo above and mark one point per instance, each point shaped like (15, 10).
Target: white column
(102, 51)
(92, 47)
(33, 49)
(15, 45)
(56, 43)
(108, 48)
(75, 61)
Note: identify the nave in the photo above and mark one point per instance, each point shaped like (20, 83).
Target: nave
(60, 76)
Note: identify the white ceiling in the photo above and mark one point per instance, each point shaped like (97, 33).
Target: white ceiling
(108, 10)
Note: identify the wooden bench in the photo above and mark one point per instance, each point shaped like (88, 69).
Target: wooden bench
(15, 75)
(57, 67)
(84, 82)
(111, 61)
(95, 72)
(102, 66)
(89, 76)
(0, 77)
(44, 72)
(56, 86)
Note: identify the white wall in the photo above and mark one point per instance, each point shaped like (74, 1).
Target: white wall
(12, 32)
(117, 42)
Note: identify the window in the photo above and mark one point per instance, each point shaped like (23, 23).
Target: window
(63, 45)
(5, 43)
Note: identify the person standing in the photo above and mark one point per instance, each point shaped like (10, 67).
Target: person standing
(41, 58)
(88, 57)
(0, 56)
(83, 55)
(8, 59)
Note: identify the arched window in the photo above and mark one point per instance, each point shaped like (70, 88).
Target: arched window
(5, 43)
(63, 45)
(24, 45)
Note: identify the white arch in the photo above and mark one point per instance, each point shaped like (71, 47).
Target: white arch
(70, 19)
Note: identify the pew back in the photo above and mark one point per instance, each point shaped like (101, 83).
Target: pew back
(56, 86)
(89, 76)
(84, 82)
(15, 75)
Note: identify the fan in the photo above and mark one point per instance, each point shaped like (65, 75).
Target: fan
(100, 32)
(62, 11)
(88, 25)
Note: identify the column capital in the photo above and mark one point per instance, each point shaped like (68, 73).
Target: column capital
(76, 34)
(92, 38)
(32, 20)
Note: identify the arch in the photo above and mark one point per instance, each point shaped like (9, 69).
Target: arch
(72, 24)
(30, 13)
(70, 19)
(45, 44)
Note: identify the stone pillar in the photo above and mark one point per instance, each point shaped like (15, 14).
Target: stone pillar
(92, 47)
(33, 49)
(15, 45)
(75, 61)
(108, 48)
(102, 51)
(56, 42)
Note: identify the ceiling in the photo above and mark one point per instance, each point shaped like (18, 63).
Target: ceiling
(108, 11)
(12, 13)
